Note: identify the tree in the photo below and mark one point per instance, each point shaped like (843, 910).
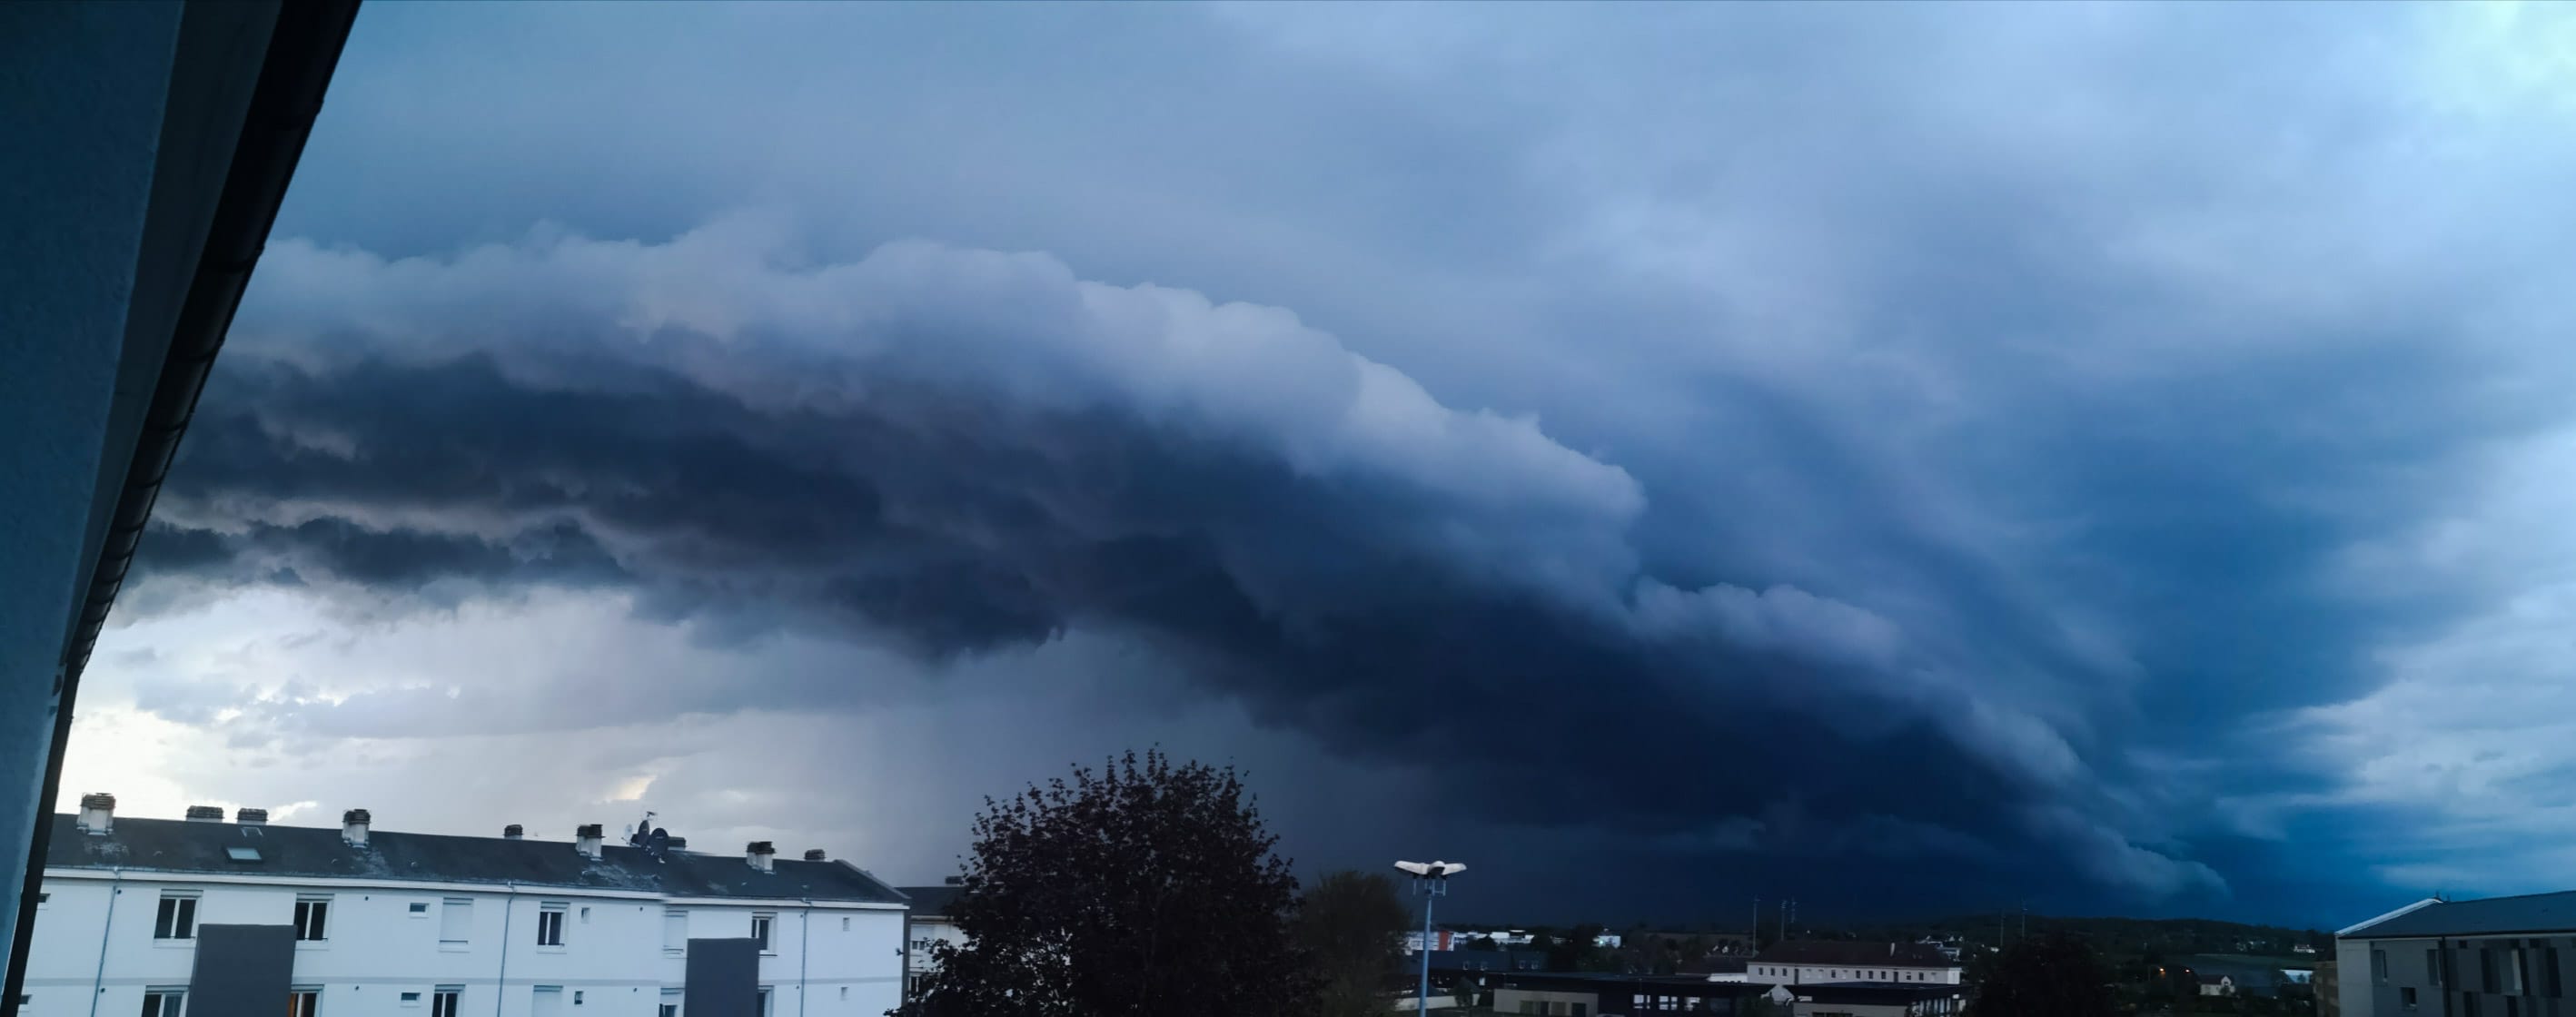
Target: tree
(1352, 927)
(1146, 889)
(1484, 944)
(2052, 975)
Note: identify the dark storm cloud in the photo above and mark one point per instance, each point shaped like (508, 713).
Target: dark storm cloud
(957, 453)
(2066, 443)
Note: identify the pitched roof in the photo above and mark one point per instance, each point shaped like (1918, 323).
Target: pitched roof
(1851, 953)
(931, 901)
(171, 845)
(2539, 912)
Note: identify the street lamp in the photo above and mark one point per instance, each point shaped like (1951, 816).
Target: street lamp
(1430, 879)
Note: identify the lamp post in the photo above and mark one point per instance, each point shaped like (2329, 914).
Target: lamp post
(1431, 880)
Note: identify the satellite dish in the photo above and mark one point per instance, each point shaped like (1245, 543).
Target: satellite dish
(658, 843)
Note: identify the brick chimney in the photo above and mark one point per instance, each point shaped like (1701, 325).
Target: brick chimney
(588, 837)
(251, 817)
(205, 813)
(513, 832)
(759, 853)
(97, 814)
(813, 854)
(353, 826)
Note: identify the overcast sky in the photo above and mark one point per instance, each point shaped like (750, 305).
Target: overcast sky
(1913, 458)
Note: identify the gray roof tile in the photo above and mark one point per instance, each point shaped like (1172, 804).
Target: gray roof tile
(169, 845)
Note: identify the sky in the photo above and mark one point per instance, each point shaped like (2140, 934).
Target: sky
(1914, 459)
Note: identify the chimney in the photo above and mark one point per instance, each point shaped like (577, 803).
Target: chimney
(251, 817)
(813, 854)
(758, 853)
(675, 843)
(513, 832)
(205, 814)
(98, 813)
(353, 826)
(587, 838)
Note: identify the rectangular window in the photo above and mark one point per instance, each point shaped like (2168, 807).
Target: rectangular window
(44, 897)
(2468, 1004)
(312, 917)
(420, 909)
(550, 922)
(178, 917)
(304, 1001)
(443, 1000)
(164, 1002)
(547, 1001)
(2549, 972)
(845, 923)
(2513, 982)
(675, 931)
(2406, 997)
(411, 999)
(2433, 966)
(670, 1003)
(2486, 969)
(455, 919)
(760, 931)
(762, 1010)
(2513, 1006)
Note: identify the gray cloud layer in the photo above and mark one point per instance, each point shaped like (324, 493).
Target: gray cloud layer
(2073, 448)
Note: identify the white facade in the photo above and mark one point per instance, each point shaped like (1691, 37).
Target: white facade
(390, 948)
(925, 931)
(1768, 973)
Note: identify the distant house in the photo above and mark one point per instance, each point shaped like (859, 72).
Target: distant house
(2304, 948)
(1815, 961)
(2217, 985)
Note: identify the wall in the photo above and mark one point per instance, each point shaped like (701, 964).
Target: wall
(925, 931)
(1549, 1001)
(82, 88)
(612, 955)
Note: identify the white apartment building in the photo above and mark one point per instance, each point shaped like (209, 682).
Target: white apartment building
(930, 922)
(1830, 961)
(158, 918)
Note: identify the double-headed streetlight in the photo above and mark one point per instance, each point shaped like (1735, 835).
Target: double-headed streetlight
(1430, 879)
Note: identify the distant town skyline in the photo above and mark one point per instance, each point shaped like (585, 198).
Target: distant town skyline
(1919, 459)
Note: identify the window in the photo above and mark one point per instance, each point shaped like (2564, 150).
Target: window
(411, 999)
(312, 917)
(2513, 973)
(304, 1001)
(2468, 1004)
(670, 1003)
(675, 931)
(760, 931)
(420, 909)
(455, 919)
(45, 897)
(546, 1001)
(550, 919)
(160, 1002)
(2512, 1006)
(585, 920)
(845, 992)
(443, 1000)
(178, 918)
(2549, 972)
(2486, 970)
(2433, 967)
(2379, 964)
(845, 923)
(2406, 997)
(763, 1009)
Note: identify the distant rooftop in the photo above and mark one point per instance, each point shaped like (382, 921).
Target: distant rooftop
(931, 901)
